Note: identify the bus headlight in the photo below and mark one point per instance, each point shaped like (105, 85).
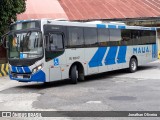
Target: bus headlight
(37, 68)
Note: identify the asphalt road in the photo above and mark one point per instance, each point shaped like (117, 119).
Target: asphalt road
(111, 91)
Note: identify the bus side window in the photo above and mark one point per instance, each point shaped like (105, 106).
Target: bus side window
(103, 37)
(75, 36)
(135, 36)
(55, 42)
(126, 37)
(90, 37)
(152, 37)
(54, 46)
(145, 36)
(47, 43)
(115, 37)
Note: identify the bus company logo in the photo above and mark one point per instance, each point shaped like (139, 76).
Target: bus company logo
(139, 50)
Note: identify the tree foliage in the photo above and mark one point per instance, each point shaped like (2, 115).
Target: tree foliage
(8, 12)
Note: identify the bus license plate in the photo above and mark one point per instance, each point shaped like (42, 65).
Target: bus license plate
(20, 76)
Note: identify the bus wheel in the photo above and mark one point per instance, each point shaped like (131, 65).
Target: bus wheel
(81, 77)
(74, 74)
(133, 65)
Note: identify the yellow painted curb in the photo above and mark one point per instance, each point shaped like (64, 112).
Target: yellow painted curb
(3, 69)
(158, 54)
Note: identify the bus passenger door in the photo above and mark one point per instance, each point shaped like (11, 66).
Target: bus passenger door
(55, 55)
(55, 72)
(55, 51)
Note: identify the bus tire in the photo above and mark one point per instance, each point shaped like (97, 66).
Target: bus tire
(46, 83)
(74, 74)
(81, 77)
(133, 65)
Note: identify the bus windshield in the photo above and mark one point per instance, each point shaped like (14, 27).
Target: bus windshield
(23, 45)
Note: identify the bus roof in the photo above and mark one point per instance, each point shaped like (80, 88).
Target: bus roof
(98, 24)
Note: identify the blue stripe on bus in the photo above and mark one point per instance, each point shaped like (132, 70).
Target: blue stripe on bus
(14, 69)
(111, 26)
(26, 69)
(154, 51)
(111, 56)
(122, 54)
(39, 76)
(152, 28)
(101, 54)
(101, 26)
(97, 58)
(20, 69)
(110, 59)
(121, 27)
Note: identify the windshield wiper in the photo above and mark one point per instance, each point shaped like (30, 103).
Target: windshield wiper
(25, 39)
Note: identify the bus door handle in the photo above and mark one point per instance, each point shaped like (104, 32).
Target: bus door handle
(52, 66)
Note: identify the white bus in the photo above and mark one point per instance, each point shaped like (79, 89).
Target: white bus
(49, 50)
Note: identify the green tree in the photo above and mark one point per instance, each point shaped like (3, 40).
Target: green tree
(8, 12)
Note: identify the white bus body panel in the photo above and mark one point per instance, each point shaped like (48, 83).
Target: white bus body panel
(101, 59)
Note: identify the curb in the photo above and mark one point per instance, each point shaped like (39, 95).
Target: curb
(3, 70)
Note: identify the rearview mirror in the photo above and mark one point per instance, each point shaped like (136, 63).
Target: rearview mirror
(4, 41)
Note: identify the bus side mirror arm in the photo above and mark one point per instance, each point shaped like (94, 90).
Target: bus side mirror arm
(6, 45)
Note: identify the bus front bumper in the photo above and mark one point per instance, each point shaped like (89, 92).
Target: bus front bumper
(39, 76)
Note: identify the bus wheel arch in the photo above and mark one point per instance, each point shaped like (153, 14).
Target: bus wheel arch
(133, 64)
(80, 72)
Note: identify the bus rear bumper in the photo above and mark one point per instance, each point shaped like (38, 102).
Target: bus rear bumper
(39, 76)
